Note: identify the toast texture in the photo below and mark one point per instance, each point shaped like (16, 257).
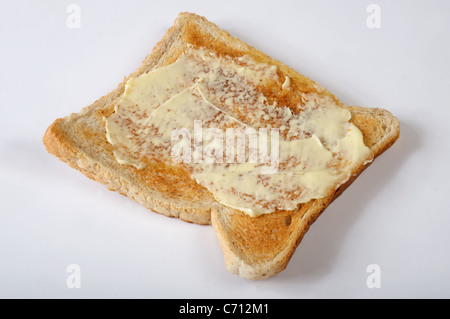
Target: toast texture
(254, 248)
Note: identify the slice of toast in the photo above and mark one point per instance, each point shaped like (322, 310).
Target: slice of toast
(254, 248)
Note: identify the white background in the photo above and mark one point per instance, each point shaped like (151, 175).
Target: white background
(396, 215)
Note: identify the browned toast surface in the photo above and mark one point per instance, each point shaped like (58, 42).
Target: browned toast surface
(254, 248)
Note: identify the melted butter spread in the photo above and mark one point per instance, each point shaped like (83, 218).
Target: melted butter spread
(312, 151)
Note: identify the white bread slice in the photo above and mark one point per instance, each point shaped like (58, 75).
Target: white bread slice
(254, 248)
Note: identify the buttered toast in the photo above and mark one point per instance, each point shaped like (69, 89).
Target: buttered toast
(199, 72)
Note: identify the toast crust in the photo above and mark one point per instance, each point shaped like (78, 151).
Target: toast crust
(275, 237)
(254, 248)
